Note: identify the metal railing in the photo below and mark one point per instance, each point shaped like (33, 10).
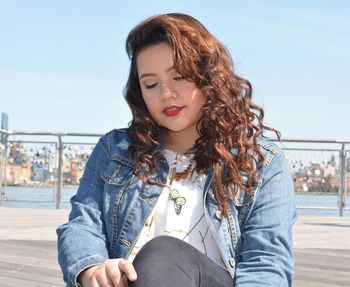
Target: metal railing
(58, 176)
(49, 170)
(336, 175)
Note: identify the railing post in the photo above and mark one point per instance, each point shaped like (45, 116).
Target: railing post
(3, 167)
(342, 180)
(2, 171)
(59, 172)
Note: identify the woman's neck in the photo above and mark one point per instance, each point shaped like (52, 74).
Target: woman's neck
(180, 141)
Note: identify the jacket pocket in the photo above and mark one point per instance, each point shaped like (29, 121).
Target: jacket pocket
(242, 197)
(117, 178)
(117, 173)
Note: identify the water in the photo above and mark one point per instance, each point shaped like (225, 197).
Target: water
(35, 197)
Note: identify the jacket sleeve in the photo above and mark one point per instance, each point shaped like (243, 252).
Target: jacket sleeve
(267, 251)
(82, 240)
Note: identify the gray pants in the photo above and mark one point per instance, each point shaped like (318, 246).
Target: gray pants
(167, 261)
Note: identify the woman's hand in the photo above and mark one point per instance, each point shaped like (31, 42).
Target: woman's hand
(111, 273)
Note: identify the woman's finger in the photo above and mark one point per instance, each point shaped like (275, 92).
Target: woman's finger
(103, 279)
(128, 269)
(114, 274)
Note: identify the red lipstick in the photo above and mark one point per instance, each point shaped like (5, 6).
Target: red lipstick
(172, 110)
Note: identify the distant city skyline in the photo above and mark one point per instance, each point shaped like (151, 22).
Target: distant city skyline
(63, 64)
(35, 165)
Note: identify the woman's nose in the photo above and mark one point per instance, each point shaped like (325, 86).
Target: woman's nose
(167, 91)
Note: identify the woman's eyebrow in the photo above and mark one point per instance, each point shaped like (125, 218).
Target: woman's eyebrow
(154, 74)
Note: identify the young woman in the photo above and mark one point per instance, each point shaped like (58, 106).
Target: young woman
(191, 193)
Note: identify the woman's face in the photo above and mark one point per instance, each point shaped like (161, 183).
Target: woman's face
(173, 102)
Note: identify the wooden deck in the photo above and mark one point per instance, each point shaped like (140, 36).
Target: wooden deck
(28, 254)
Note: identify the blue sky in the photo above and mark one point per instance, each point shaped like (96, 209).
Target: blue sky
(63, 64)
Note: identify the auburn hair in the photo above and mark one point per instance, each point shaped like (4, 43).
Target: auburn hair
(230, 123)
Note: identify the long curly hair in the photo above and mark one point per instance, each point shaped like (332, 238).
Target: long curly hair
(230, 120)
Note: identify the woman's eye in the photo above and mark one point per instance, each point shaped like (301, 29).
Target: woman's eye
(150, 86)
(179, 78)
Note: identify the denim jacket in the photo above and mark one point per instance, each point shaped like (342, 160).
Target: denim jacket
(112, 205)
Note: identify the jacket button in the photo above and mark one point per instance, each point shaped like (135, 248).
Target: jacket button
(218, 214)
(126, 242)
(232, 262)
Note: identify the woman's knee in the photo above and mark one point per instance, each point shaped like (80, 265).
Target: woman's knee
(158, 247)
(165, 258)
(166, 249)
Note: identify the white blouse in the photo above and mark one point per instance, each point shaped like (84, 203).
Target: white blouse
(179, 211)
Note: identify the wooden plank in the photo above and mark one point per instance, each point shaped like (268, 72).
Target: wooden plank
(15, 282)
(28, 255)
(338, 260)
(29, 263)
(306, 283)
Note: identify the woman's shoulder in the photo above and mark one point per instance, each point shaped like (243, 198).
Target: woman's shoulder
(116, 137)
(268, 145)
(269, 149)
(117, 142)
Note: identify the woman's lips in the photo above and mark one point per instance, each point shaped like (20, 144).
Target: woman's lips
(172, 111)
